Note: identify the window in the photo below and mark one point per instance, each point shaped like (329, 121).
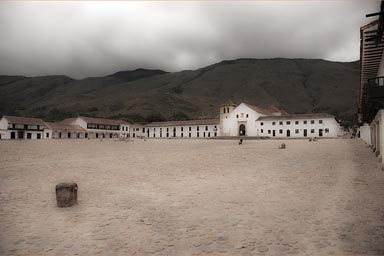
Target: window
(320, 121)
(227, 110)
(224, 110)
(288, 122)
(47, 135)
(144, 130)
(190, 128)
(183, 127)
(206, 127)
(197, 129)
(197, 135)
(189, 135)
(167, 134)
(273, 123)
(69, 135)
(305, 122)
(261, 129)
(247, 115)
(154, 135)
(261, 123)
(280, 131)
(242, 114)
(215, 134)
(204, 134)
(29, 135)
(182, 135)
(297, 131)
(269, 131)
(167, 129)
(154, 129)
(86, 135)
(312, 130)
(312, 121)
(38, 136)
(209, 134)
(237, 116)
(296, 122)
(280, 123)
(326, 130)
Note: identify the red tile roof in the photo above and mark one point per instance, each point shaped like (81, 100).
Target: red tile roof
(185, 123)
(65, 127)
(94, 120)
(24, 120)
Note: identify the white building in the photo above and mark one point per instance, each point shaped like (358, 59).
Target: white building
(64, 131)
(12, 127)
(100, 127)
(298, 126)
(183, 129)
(249, 120)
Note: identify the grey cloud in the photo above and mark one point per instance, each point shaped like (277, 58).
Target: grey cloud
(82, 39)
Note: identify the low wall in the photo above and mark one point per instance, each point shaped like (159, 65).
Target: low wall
(365, 133)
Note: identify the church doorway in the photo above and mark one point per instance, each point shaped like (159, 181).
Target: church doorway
(242, 130)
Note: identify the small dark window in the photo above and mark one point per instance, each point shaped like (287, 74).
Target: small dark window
(269, 131)
(237, 116)
(280, 123)
(261, 129)
(273, 123)
(296, 122)
(288, 122)
(305, 122)
(190, 128)
(261, 123)
(224, 110)
(326, 130)
(189, 134)
(197, 129)
(312, 130)
(206, 128)
(320, 121)
(197, 134)
(182, 128)
(312, 121)
(47, 135)
(247, 115)
(215, 134)
(297, 131)
(227, 110)
(280, 131)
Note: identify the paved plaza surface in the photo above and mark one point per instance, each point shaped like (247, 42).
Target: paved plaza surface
(192, 197)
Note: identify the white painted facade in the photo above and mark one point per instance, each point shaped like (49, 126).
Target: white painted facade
(21, 128)
(233, 118)
(100, 128)
(183, 131)
(377, 138)
(298, 126)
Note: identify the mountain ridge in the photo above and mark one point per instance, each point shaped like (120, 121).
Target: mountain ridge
(298, 85)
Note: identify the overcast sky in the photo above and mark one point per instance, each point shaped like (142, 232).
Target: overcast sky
(81, 39)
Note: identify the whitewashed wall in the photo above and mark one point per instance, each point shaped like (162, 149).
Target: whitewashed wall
(190, 131)
(239, 116)
(265, 128)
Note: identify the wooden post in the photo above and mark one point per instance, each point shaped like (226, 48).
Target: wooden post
(66, 194)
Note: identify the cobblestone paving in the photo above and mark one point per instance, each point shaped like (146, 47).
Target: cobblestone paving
(192, 197)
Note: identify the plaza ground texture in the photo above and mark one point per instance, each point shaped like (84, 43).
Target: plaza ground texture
(192, 197)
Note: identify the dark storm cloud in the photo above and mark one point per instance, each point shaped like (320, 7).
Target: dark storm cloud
(82, 39)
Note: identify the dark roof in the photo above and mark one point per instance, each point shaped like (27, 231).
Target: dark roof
(296, 116)
(228, 103)
(94, 120)
(185, 123)
(65, 127)
(24, 120)
(259, 110)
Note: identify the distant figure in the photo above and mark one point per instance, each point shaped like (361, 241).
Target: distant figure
(354, 131)
(241, 142)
